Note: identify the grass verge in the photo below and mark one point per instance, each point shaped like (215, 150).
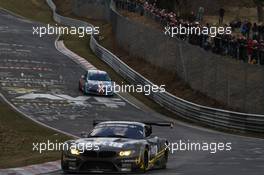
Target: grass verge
(36, 10)
(17, 135)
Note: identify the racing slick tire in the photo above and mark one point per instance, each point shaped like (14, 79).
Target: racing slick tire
(63, 168)
(145, 161)
(165, 160)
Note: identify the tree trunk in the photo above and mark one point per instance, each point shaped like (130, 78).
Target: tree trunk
(260, 12)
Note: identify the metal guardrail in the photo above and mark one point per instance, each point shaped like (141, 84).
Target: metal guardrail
(210, 116)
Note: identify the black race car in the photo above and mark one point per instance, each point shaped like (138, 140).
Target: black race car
(116, 146)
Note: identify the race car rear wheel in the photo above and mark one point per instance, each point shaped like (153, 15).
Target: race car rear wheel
(165, 160)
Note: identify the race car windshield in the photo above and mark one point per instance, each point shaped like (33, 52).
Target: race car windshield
(119, 131)
(98, 77)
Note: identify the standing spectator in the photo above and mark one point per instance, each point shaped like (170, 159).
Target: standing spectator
(250, 45)
(255, 32)
(225, 44)
(261, 31)
(255, 53)
(233, 47)
(242, 49)
(209, 43)
(244, 29)
(200, 14)
(141, 9)
(221, 15)
(249, 25)
(261, 52)
(192, 17)
(217, 45)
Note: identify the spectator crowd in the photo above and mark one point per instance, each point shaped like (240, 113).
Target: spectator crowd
(245, 44)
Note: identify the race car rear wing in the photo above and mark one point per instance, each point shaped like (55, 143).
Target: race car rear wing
(150, 123)
(165, 124)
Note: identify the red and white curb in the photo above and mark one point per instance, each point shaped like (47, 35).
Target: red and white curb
(33, 169)
(76, 58)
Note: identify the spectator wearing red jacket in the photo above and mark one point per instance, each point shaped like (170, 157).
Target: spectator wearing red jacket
(250, 45)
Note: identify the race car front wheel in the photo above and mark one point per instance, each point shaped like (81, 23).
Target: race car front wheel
(63, 166)
(145, 161)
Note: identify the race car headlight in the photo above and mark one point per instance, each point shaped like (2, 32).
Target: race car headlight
(75, 152)
(125, 153)
(87, 85)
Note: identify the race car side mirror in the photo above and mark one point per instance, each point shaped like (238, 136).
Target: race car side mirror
(148, 130)
(84, 134)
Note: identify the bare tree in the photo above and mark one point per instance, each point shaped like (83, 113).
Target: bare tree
(259, 4)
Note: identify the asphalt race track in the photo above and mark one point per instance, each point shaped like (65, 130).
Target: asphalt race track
(43, 83)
